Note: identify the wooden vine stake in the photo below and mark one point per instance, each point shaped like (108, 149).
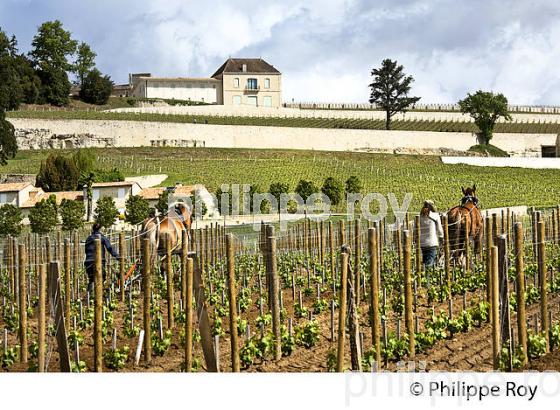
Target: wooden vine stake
(374, 294)
(147, 288)
(189, 313)
(494, 307)
(55, 301)
(504, 315)
(342, 311)
(22, 286)
(98, 310)
(275, 290)
(232, 295)
(122, 250)
(170, 289)
(408, 313)
(67, 283)
(520, 270)
(489, 243)
(42, 320)
(447, 254)
(541, 246)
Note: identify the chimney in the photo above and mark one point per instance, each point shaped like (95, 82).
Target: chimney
(244, 68)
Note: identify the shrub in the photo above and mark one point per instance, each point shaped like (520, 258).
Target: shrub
(72, 214)
(306, 188)
(106, 212)
(353, 185)
(43, 217)
(332, 188)
(10, 220)
(137, 209)
(58, 173)
(96, 88)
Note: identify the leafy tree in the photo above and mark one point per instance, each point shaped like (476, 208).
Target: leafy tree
(390, 89)
(106, 212)
(200, 204)
(305, 189)
(84, 159)
(10, 220)
(353, 185)
(485, 108)
(55, 86)
(43, 217)
(162, 205)
(52, 45)
(96, 89)
(29, 80)
(58, 173)
(278, 188)
(11, 92)
(85, 62)
(137, 209)
(333, 189)
(219, 194)
(72, 214)
(8, 142)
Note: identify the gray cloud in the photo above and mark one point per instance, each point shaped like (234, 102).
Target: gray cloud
(325, 49)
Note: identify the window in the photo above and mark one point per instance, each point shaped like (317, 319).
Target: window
(95, 195)
(267, 83)
(267, 101)
(252, 101)
(548, 151)
(236, 100)
(3, 198)
(236, 82)
(121, 193)
(252, 83)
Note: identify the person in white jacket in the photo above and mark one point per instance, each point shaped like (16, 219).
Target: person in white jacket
(431, 232)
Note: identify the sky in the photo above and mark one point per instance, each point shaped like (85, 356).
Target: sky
(325, 49)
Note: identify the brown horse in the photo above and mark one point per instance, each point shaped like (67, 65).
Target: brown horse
(465, 224)
(155, 229)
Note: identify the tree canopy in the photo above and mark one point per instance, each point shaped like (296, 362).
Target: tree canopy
(10, 220)
(72, 214)
(84, 63)
(106, 212)
(137, 209)
(485, 108)
(390, 88)
(96, 88)
(58, 173)
(43, 217)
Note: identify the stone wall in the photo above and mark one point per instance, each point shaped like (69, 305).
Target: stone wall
(40, 134)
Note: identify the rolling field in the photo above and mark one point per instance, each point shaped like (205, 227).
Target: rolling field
(423, 176)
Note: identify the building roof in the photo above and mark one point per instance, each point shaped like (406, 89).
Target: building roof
(60, 196)
(179, 79)
(14, 186)
(153, 193)
(113, 184)
(254, 66)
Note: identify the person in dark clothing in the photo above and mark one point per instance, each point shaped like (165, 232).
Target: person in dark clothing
(89, 263)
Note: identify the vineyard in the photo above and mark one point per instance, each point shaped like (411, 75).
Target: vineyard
(424, 176)
(320, 296)
(533, 127)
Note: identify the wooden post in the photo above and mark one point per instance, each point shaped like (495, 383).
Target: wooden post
(67, 283)
(408, 313)
(494, 306)
(331, 249)
(98, 312)
(75, 256)
(467, 247)
(489, 243)
(447, 254)
(170, 288)
(541, 246)
(42, 322)
(357, 257)
(55, 300)
(418, 249)
(22, 286)
(232, 295)
(147, 288)
(342, 311)
(122, 258)
(520, 270)
(374, 294)
(505, 317)
(275, 289)
(189, 314)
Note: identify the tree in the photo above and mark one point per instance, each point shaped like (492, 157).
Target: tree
(137, 209)
(11, 92)
(10, 220)
(58, 173)
(305, 189)
(485, 108)
(353, 185)
(277, 189)
(106, 212)
(84, 63)
(390, 89)
(333, 189)
(29, 80)
(72, 214)
(96, 89)
(8, 142)
(52, 45)
(84, 159)
(162, 205)
(43, 217)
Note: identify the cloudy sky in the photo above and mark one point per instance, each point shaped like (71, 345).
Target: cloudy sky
(324, 48)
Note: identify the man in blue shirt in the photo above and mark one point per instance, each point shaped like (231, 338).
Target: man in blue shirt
(90, 253)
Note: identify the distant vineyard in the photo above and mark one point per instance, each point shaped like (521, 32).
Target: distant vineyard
(327, 123)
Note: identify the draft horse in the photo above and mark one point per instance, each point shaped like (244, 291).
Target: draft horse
(465, 223)
(179, 217)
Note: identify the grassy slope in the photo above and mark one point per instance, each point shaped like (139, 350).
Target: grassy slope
(423, 176)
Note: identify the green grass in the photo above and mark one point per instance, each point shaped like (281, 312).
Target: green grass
(426, 177)
(338, 123)
(488, 150)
